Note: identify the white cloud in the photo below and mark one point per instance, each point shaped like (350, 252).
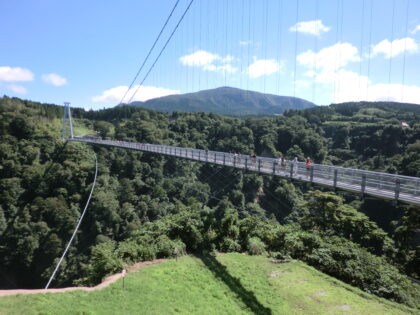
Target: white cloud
(416, 29)
(330, 58)
(262, 67)
(352, 87)
(398, 46)
(222, 68)
(17, 89)
(314, 27)
(347, 85)
(144, 93)
(10, 74)
(245, 42)
(54, 79)
(199, 58)
(209, 61)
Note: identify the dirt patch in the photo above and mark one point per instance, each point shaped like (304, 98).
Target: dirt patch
(303, 281)
(277, 273)
(345, 307)
(109, 280)
(320, 293)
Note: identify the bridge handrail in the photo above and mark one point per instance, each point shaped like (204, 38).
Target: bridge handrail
(398, 187)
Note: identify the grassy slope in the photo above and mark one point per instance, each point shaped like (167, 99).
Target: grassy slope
(230, 284)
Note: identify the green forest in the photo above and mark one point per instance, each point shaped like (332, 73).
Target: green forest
(148, 206)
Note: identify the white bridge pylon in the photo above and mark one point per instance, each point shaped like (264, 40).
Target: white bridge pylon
(67, 122)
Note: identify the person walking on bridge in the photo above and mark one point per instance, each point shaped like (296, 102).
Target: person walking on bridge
(308, 164)
(295, 166)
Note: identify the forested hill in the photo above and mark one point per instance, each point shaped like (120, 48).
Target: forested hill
(146, 205)
(226, 101)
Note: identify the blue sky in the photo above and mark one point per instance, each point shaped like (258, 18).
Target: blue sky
(87, 52)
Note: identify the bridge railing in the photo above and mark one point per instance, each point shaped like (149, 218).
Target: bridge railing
(391, 186)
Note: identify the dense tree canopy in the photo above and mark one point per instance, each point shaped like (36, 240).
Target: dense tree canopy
(148, 206)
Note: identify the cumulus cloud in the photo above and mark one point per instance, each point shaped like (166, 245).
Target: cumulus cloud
(315, 27)
(209, 61)
(14, 74)
(415, 30)
(350, 86)
(144, 93)
(330, 58)
(262, 67)
(396, 47)
(199, 58)
(54, 79)
(17, 89)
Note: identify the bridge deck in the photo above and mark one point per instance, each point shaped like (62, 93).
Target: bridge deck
(382, 185)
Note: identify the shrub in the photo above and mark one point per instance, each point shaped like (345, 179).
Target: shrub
(256, 246)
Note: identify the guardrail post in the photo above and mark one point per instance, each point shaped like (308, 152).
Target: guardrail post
(215, 157)
(312, 173)
(234, 161)
(246, 163)
(291, 169)
(207, 155)
(397, 189)
(224, 159)
(259, 165)
(274, 166)
(335, 178)
(363, 185)
(199, 155)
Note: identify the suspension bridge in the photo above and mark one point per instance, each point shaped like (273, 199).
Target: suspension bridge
(377, 184)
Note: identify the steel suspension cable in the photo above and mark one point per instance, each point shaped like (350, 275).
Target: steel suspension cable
(361, 48)
(296, 45)
(390, 54)
(405, 51)
(162, 50)
(150, 51)
(370, 49)
(77, 225)
(315, 52)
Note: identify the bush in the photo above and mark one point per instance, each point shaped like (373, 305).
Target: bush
(229, 245)
(256, 246)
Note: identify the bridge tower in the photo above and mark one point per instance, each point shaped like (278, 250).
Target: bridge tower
(67, 121)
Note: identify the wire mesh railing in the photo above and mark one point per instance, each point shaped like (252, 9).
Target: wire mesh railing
(384, 185)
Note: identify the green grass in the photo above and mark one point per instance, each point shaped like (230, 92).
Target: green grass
(227, 284)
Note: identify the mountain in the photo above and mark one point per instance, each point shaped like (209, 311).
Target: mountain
(226, 101)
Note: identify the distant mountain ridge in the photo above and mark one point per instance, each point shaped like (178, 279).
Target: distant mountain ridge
(226, 101)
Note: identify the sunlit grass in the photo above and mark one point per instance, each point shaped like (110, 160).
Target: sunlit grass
(230, 284)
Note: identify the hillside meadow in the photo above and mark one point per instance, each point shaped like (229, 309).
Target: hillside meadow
(223, 284)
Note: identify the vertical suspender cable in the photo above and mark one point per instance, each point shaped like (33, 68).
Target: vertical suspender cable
(77, 226)
(370, 49)
(405, 51)
(315, 51)
(336, 65)
(192, 15)
(252, 42)
(296, 44)
(199, 43)
(390, 54)
(361, 48)
(279, 48)
(226, 35)
(265, 39)
(339, 50)
(242, 44)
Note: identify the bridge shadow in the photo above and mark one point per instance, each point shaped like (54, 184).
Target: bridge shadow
(221, 273)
